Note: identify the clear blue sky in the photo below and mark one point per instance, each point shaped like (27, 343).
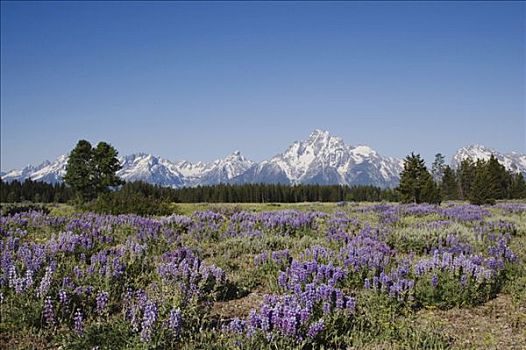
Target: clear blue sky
(197, 81)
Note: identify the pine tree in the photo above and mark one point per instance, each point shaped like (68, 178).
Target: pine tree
(517, 187)
(482, 189)
(106, 165)
(79, 171)
(437, 169)
(499, 179)
(413, 179)
(91, 171)
(430, 190)
(465, 178)
(449, 185)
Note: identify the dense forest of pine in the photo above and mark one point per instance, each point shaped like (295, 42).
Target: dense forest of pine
(250, 193)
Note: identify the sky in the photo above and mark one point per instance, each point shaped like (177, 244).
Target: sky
(197, 81)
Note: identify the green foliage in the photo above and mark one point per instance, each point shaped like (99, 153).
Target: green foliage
(125, 202)
(10, 209)
(438, 167)
(466, 177)
(499, 179)
(416, 183)
(106, 166)
(263, 193)
(450, 291)
(482, 191)
(517, 285)
(91, 171)
(517, 187)
(431, 191)
(449, 184)
(34, 191)
(79, 171)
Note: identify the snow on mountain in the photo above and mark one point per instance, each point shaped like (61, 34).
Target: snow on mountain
(50, 172)
(325, 159)
(224, 170)
(514, 161)
(148, 168)
(190, 170)
(151, 169)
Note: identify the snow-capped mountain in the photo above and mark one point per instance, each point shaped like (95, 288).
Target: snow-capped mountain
(223, 170)
(325, 159)
(515, 162)
(319, 159)
(151, 169)
(50, 172)
(148, 168)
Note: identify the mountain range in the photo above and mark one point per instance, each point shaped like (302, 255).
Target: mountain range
(319, 159)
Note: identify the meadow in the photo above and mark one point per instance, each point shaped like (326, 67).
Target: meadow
(266, 276)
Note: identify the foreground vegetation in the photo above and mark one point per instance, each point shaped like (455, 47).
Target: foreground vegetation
(244, 277)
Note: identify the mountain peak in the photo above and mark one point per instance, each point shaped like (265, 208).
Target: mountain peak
(236, 155)
(318, 133)
(364, 151)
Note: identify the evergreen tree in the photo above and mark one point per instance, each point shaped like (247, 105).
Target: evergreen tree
(430, 190)
(482, 188)
(498, 179)
(91, 171)
(517, 187)
(80, 174)
(413, 179)
(106, 165)
(437, 169)
(449, 185)
(465, 178)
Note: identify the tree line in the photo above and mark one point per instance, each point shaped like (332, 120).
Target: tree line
(263, 193)
(479, 182)
(35, 191)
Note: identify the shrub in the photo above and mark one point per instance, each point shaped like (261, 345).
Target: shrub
(129, 203)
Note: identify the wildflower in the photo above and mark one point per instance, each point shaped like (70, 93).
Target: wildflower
(434, 281)
(316, 328)
(79, 322)
(102, 301)
(148, 321)
(48, 313)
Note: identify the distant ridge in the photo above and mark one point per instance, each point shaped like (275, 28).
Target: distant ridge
(319, 159)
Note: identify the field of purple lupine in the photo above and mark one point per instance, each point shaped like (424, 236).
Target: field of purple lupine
(346, 276)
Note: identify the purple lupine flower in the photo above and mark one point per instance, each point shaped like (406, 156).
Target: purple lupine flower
(148, 321)
(48, 313)
(175, 320)
(79, 322)
(62, 297)
(28, 280)
(45, 283)
(351, 304)
(236, 325)
(102, 301)
(434, 281)
(11, 274)
(316, 328)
